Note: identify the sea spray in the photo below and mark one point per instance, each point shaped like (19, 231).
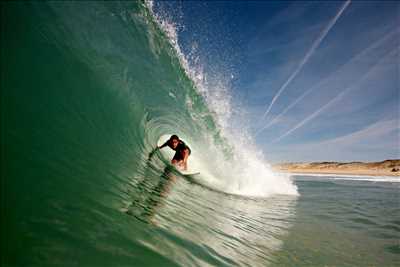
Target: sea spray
(236, 165)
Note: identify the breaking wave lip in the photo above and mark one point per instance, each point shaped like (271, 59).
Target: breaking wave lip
(352, 177)
(246, 171)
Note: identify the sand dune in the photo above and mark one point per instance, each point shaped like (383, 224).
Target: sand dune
(383, 168)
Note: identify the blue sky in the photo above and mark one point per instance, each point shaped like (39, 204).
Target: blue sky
(317, 81)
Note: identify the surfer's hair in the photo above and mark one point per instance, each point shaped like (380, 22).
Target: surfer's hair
(174, 137)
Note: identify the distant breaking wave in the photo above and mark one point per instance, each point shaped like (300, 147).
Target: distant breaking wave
(370, 178)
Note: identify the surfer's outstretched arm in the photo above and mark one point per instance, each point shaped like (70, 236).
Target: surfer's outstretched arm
(157, 148)
(162, 146)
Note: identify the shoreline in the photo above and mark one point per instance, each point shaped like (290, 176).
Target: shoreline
(383, 168)
(355, 173)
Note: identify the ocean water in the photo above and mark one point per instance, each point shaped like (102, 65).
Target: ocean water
(87, 91)
(344, 221)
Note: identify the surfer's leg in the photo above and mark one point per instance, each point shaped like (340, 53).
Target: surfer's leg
(185, 155)
(177, 159)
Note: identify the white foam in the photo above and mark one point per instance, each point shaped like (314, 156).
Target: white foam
(371, 178)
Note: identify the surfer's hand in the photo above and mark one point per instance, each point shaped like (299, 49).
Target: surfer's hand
(152, 152)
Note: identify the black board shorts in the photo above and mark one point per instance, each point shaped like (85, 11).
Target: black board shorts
(179, 154)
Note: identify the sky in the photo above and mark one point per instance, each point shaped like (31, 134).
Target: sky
(315, 81)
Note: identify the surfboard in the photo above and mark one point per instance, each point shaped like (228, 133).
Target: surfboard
(190, 173)
(172, 168)
(186, 173)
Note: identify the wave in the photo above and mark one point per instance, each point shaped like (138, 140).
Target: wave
(88, 89)
(371, 178)
(235, 165)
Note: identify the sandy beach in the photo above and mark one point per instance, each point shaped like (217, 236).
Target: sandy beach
(383, 168)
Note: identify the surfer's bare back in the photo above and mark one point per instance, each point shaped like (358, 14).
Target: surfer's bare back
(182, 151)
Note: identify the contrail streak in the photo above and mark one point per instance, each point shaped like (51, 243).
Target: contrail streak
(327, 105)
(312, 116)
(357, 57)
(307, 56)
(286, 110)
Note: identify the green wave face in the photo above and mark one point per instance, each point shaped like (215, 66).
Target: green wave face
(94, 85)
(87, 90)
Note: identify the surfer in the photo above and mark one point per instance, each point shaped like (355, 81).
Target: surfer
(182, 151)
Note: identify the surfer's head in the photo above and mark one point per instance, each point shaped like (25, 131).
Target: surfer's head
(174, 141)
